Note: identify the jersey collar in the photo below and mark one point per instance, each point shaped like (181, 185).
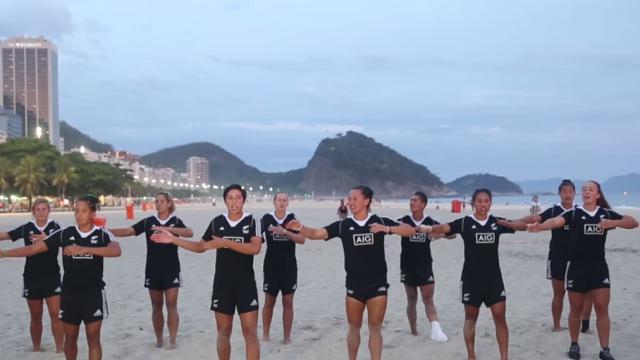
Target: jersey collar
(41, 229)
(234, 223)
(360, 222)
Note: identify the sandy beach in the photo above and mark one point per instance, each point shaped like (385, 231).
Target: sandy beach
(320, 325)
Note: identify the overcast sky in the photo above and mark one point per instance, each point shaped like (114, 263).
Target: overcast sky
(524, 89)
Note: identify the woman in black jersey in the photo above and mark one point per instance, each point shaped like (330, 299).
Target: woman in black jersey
(162, 270)
(481, 280)
(280, 266)
(83, 298)
(362, 237)
(416, 267)
(587, 272)
(41, 276)
(558, 247)
(234, 237)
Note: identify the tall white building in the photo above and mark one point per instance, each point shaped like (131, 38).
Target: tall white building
(198, 170)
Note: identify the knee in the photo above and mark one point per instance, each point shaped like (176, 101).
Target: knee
(249, 332)
(93, 340)
(355, 325)
(287, 303)
(375, 326)
(157, 306)
(601, 309)
(224, 333)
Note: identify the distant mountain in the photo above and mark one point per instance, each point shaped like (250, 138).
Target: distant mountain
(74, 138)
(498, 185)
(224, 167)
(629, 183)
(341, 162)
(544, 186)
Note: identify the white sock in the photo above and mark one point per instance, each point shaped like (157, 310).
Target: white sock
(436, 332)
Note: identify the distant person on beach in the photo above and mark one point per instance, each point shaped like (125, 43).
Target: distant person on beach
(342, 210)
(41, 276)
(481, 280)
(83, 296)
(234, 237)
(587, 273)
(280, 266)
(362, 235)
(416, 270)
(162, 270)
(535, 205)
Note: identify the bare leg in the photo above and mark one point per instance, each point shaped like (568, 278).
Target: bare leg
(557, 303)
(92, 330)
(224, 325)
(502, 331)
(355, 310)
(586, 312)
(157, 317)
(53, 305)
(287, 317)
(71, 333)
(576, 303)
(249, 323)
(427, 292)
(267, 315)
(376, 309)
(173, 318)
(35, 311)
(470, 318)
(412, 299)
(601, 306)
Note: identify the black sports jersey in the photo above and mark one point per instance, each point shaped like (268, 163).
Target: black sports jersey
(364, 259)
(587, 242)
(163, 256)
(232, 268)
(481, 240)
(81, 271)
(42, 268)
(560, 238)
(416, 250)
(281, 251)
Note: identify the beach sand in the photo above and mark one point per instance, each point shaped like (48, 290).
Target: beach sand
(319, 326)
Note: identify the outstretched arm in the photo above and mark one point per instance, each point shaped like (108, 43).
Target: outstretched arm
(123, 232)
(180, 232)
(4, 236)
(308, 232)
(296, 238)
(25, 251)
(165, 237)
(251, 248)
(517, 225)
(553, 223)
(400, 229)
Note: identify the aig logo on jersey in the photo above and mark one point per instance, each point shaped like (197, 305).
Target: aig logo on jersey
(485, 238)
(83, 257)
(593, 229)
(279, 237)
(236, 239)
(362, 239)
(419, 237)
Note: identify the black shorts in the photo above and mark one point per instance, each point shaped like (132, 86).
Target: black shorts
(41, 291)
(368, 293)
(417, 277)
(583, 277)
(226, 300)
(474, 292)
(556, 267)
(83, 305)
(282, 280)
(163, 280)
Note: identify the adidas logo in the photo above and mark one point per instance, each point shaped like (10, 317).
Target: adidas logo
(97, 313)
(31, 232)
(382, 289)
(72, 238)
(606, 281)
(503, 293)
(430, 278)
(601, 216)
(473, 227)
(176, 281)
(254, 302)
(221, 228)
(57, 290)
(349, 291)
(295, 286)
(584, 218)
(352, 229)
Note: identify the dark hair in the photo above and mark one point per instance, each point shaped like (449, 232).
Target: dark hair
(602, 201)
(366, 192)
(479, 191)
(566, 182)
(91, 200)
(235, 187)
(169, 198)
(421, 195)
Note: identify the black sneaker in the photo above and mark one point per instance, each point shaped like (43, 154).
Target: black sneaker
(574, 351)
(605, 354)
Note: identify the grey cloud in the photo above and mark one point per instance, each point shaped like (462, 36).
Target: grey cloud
(36, 17)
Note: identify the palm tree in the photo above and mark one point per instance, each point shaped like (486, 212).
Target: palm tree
(4, 174)
(65, 173)
(29, 176)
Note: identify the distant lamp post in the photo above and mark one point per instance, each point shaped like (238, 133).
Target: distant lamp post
(38, 132)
